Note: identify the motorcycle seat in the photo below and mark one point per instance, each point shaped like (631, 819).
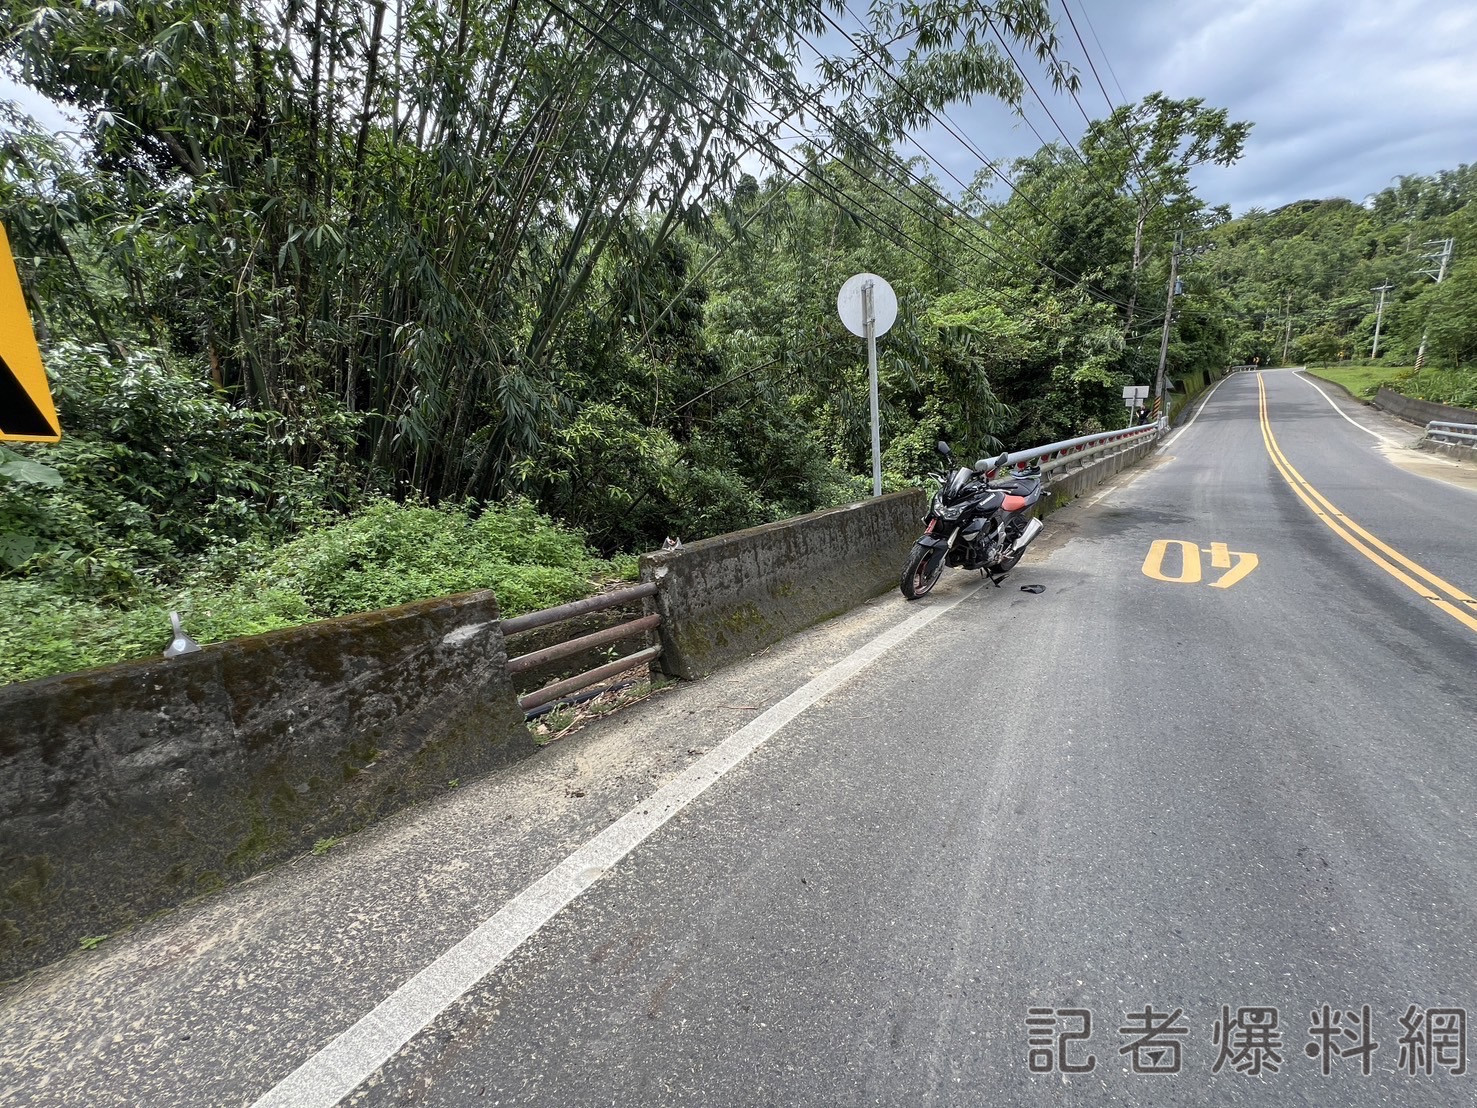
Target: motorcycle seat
(1017, 484)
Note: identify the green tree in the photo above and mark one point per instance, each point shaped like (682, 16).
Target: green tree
(1149, 150)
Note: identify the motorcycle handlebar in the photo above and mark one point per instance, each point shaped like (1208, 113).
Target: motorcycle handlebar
(988, 466)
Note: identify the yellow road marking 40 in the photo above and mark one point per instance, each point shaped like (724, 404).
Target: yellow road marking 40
(1221, 557)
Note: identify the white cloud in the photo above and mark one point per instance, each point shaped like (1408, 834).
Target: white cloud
(1344, 95)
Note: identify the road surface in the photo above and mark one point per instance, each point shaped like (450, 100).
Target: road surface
(1118, 842)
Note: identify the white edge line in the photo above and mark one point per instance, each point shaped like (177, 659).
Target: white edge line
(1196, 413)
(341, 1066)
(1318, 389)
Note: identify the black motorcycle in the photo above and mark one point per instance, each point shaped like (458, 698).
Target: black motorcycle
(974, 523)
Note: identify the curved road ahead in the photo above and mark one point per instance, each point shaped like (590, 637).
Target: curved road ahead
(1221, 773)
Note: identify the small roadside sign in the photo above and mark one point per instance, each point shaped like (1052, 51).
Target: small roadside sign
(27, 413)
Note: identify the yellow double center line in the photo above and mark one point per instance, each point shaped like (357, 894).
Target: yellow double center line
(1454, 603)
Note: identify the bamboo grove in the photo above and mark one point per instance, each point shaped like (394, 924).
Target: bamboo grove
(438, 215)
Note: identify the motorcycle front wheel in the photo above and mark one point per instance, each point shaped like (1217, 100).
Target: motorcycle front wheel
(925, 566)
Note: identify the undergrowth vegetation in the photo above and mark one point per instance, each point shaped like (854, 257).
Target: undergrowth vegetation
(385, 554)
(163, 497)
(1439, 386)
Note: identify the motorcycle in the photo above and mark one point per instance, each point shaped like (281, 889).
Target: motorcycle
(974, 523)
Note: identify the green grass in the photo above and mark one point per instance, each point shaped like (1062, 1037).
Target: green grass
(1440, 386)
(1362, 380)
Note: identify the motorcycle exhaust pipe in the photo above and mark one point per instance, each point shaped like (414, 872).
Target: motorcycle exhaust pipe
(1032, 530)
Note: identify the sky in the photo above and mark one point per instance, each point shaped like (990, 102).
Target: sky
(1344, 95)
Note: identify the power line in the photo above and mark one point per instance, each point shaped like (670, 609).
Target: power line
(1020, 69)
(811, 349)
(846, 203)
(942, 116)
(1106, 61)
(1098, 176)
(832, 193)
(1112, 108)
(1000, 256)
(945, 122)
(1063, 275)
(894, 164)
(1067, 11)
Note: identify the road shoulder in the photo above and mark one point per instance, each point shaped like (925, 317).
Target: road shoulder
(1396, 438)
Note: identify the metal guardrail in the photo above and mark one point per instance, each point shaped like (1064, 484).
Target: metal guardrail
(1459, 433)
(1241, 369)
(1055, 455)
(570, 647)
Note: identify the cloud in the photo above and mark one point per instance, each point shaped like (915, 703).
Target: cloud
(1344, 95)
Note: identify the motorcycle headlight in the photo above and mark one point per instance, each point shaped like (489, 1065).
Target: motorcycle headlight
(951, 513)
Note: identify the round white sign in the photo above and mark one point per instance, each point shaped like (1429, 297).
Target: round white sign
(851, 305)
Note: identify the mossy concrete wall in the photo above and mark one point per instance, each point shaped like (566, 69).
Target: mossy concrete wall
(724, 598)
(128, 789)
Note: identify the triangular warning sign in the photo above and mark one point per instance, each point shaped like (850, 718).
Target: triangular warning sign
(26, 411)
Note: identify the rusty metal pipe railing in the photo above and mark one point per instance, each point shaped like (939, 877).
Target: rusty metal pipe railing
(641, 625)
(525, 662)
(559, 689)
(529, 620)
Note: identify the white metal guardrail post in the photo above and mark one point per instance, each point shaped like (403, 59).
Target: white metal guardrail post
(1460, 433)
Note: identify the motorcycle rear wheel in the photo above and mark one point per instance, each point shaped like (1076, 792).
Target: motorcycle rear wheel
(924, 567)
(1007, 563)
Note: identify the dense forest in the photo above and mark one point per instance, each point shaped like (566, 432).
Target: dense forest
(348, 304)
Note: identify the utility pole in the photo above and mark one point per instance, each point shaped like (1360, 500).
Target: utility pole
(1287, 335)
(1444, 256)
(1379, 314)
(1174, 270)
(1159, 410)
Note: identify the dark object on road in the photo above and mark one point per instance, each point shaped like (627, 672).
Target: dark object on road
(1033, 588)
(974, 524)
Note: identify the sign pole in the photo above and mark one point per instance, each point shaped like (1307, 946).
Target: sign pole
(870, 315)
(868, 307)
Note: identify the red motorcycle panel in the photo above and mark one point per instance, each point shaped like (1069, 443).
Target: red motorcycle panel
(1014, 503)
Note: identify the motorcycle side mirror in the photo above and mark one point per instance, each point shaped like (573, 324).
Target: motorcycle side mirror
(942, 447)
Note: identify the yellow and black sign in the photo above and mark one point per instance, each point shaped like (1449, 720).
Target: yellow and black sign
(26, 411)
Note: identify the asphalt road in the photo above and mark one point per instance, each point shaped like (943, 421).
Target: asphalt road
(1228, 790)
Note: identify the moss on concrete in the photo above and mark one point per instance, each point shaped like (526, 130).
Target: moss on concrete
(149, 783)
